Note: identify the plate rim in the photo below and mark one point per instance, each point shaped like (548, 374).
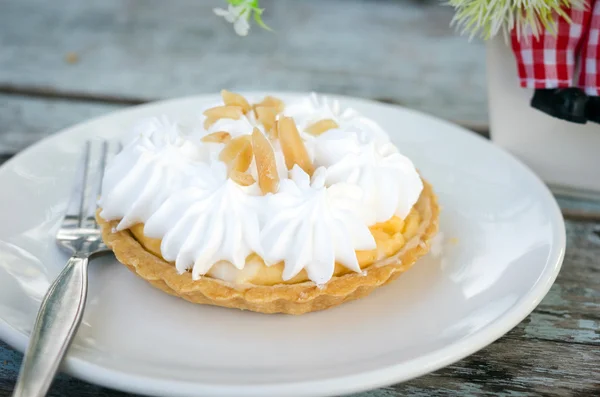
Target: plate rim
(134, 383)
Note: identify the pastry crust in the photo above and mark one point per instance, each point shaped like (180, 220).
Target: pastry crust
(281, 298)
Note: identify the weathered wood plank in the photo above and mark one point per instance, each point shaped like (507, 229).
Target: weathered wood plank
(579, 209)
(25, 120)
(514, 367)
(582, 262)
(402, 51)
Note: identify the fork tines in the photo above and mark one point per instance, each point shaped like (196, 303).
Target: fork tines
(88, 184)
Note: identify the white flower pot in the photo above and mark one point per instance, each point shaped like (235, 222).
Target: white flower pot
(565, 155)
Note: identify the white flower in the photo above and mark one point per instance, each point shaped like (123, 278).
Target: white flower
(241, 27)
(238, 16)
(230, 14)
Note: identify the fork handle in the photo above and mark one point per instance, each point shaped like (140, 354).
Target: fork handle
(57, 321)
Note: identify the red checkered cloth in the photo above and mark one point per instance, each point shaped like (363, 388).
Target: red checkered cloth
(549, 61)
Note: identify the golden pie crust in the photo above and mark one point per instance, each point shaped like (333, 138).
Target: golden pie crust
(296, 298)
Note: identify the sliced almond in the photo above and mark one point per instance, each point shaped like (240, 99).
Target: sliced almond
(233, 99)
(268, 178)
(221, 112)
(241, 178)
(217, 137)
(292, 146)
(322, 126)
(271, 102)
(266, 116)
(237, 154)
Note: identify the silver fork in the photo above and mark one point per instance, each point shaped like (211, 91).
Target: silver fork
(62, 308)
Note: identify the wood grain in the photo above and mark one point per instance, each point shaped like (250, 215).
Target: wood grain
(26, 120)
(142, 50)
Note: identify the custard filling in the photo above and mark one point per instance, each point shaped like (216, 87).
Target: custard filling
(390, 237)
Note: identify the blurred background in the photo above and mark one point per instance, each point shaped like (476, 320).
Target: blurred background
(64, 61)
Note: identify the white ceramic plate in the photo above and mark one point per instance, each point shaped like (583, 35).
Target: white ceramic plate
(503, 245)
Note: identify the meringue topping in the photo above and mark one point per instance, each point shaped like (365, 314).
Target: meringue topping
(297, 183)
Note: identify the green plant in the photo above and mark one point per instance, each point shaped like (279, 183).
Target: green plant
(239, 13)
(486, 18)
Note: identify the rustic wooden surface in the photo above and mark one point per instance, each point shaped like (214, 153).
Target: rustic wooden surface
(65, 61)
(141, 50)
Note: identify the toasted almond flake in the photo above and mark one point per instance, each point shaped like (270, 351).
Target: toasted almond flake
(233, 99)
(322, 126)
(271, 102)
(217, 137)
(292, 146)
(266, 116)
(241, 178)
(268, 179)
(237, 154)
(221, 112)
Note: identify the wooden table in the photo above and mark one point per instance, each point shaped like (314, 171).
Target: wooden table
(64, 61)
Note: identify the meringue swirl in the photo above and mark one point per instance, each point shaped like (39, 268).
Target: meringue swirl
(311, 226)
(313, 108)
(389, 179)
(212, 219)
(158, 162)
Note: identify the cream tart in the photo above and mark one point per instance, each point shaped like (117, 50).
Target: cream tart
(266, 206)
